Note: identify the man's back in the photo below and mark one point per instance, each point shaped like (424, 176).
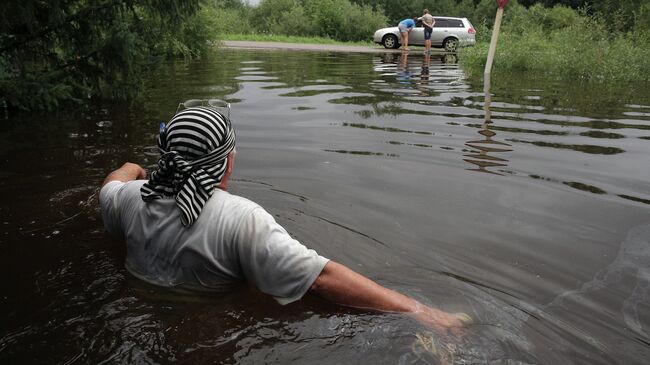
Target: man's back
(408, 23)
(233, 240)
(427, 19)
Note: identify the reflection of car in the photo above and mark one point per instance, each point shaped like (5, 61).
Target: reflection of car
(441, 58)
(442, 67)
(448, 33)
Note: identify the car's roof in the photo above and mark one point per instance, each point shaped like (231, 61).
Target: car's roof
(447, 17)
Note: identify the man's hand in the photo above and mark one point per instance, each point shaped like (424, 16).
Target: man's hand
(440, 320)
(129, 171)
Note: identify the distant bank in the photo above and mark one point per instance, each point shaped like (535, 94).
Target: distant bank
(313, 47)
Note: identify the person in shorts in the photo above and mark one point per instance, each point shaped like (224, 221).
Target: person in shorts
(427, 22)
(405, 27)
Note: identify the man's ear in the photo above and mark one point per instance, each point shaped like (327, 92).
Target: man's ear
(231, 162)
(230, 165)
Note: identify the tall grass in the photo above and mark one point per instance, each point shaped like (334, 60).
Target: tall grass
(565, 44)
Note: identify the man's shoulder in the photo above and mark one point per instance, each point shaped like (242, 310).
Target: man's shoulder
(119, 185)
(111, 189)
(239, 199)
(234, 202)
(229, 210)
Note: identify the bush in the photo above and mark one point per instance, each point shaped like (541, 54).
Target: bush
(335, 19)
(361, 22)
(219, 20)
(268, 16)
(563, 43)
(294, 23)
(344, 21)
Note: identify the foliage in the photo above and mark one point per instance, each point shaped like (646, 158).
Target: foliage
(224, 17)
(337, 19)
(60, 51)
(342, 20)
(566, 44)
(282, 17)
(618, 15)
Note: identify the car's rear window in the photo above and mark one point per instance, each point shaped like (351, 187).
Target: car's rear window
(449, 23)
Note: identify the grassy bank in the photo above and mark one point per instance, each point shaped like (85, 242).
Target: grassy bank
(290, 39)
(563, 45)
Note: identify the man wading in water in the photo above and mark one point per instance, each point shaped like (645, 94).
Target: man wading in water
(183, 229)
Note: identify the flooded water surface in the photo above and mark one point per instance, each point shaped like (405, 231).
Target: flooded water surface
(536, 224)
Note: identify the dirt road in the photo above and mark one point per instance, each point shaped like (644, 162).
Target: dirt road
(315, 47)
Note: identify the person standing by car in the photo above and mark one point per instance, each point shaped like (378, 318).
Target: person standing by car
(427, 21)
(405, 27)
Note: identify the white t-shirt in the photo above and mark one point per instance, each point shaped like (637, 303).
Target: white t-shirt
(233, 240)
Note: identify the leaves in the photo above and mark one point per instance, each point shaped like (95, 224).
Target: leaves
(56, 52)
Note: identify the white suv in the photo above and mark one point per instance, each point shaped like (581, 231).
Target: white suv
(448, 33)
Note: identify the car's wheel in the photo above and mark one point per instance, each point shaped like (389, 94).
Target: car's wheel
(390, 41)
(449, 58)
(450, 44)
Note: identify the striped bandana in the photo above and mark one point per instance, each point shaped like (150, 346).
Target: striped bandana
(193, 151)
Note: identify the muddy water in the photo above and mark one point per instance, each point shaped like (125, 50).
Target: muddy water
(536, 224)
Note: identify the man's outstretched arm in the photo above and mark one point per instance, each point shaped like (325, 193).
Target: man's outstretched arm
(340, 285)
(129, 171)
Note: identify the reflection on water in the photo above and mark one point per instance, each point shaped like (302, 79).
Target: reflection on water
(585, 187)
(636, 199)
(363, 157)
(424, 75)
(483, 159)
(601, 150)
(386, 129)
(364, 153)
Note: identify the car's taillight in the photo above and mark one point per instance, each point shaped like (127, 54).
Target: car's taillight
(471, 30)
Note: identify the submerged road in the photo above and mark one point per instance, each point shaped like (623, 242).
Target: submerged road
(318, 47)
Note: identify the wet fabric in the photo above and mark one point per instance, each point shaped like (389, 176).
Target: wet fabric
(233, 240)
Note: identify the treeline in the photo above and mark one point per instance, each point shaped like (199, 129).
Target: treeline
(349, 20)
(340, 20)
(619, 15)
(352, 20)
(68, 51)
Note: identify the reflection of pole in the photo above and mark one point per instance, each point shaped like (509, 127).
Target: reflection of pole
(482, 159)
(490, 58)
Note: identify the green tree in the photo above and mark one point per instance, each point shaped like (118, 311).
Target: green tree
(269, 12)
(336, 19)
(59, 51)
